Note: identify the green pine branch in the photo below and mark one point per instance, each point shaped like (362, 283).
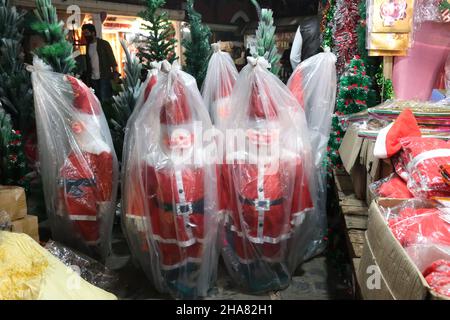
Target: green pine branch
(58, 51)
(15, 85)
(160, 44)
(125, 101)
(265, 40)
(198, 49)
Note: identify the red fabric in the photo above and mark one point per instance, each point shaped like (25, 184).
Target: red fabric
(160, 188)
(394, 188)
(261, 107)
(296, 86)
(404, 126)
(415, 226)
(242, 181)
(82, 200)
(84, 99)
(426, 179)
(150, 85)
(438, 277)
(176, 111)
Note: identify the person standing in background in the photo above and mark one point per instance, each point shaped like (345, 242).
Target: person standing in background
(307, 38)
(101, 64)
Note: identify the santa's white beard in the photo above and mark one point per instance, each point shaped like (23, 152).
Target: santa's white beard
(90, 139)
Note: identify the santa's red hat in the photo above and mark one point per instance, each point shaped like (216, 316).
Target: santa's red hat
(176, 111)
(388, 140)
(84, 99)
(261, 105)
(295, 85)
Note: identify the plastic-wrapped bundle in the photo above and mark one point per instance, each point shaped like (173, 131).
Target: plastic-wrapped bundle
(423, 229)
(170, 188)
(147, 86)
(267, 177)
(219, 83)
(438, 276)
(422, 159)
(78, 164)
(313, 83)
(391, 187)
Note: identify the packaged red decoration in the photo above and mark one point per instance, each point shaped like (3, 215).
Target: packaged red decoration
(391, 187)
(77, 161)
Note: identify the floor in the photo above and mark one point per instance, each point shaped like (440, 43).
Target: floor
(325, 277)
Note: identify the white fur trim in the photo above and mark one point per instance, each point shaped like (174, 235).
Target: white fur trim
(380, 150)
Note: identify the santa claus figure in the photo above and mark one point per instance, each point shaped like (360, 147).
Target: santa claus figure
(170, 193)
(86, 177)
(77, 161)
(219, 83)
(267, 183)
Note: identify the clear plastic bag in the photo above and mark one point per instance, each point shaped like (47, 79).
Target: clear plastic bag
(423, 160)
(268, 179)
(313, 83)
(78, 164)
(170, 200)
(423, 229)
(89, 269)
(438, 276)
(219, 83)
(391, 187)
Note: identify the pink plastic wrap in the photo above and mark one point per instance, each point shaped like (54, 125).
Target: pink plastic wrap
(170, 198)
(415, 75)
(268, 178)
(77, 161)
(422, 158)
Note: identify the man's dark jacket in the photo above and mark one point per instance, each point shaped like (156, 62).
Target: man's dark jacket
(106, 60)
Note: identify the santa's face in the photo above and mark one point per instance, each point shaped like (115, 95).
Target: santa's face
(264, 133)
(87, 132)
(178, 137)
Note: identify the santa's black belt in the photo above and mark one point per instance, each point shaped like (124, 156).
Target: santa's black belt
(197, 207)
(261, 203)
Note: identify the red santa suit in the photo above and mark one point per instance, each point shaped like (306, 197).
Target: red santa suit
(86, 178)
(268, 194)
(166, 200)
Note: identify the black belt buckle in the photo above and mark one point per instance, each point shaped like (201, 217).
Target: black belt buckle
(184, 208)
(262, 205)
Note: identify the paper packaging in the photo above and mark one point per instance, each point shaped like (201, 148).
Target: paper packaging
(391, 15)
(13, 201)
(28, 225)
(383, 253)
(389, 41)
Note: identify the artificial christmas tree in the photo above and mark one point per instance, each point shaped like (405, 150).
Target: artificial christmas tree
(160, 42)
(265, 39)
(352, 98)
(197, 47)
(16, 104)
(13, 167)
(58, 51)
(16, 95)
(125, 101)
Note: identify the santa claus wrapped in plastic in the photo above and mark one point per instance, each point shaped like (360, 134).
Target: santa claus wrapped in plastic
(218, 85)
(77, 161)
(267, 179)
(170, 200)
(418, 160)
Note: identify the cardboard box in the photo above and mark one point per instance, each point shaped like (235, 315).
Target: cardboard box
(28, 225)
(402, 279)
(13, 202)
(350, 152)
